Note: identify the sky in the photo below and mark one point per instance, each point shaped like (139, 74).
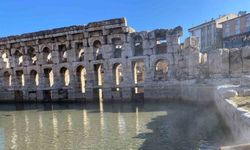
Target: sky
(24, 16)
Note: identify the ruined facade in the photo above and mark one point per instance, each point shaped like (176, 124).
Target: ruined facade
(108, 60)
(102, 60)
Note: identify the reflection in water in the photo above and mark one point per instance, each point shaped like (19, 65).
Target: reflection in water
(55, 129)
(137, 121)
(101, 116)
(27, 135)
(14, 133)
(118, 126)
(85, 123)
(121, 124)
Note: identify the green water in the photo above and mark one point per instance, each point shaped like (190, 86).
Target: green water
(100, 126)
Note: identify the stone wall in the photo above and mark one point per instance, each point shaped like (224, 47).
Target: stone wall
(102, 60)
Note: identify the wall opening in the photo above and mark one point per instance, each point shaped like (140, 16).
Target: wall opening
(79, 51)
(34, 78)
(161, 70)
(161, 42)
(49, 77)
(117, 47)
(118, 74)
(65, 76)
(63, 54)
(139, 72)
(99, 74)
(7, 79)
(82, 78)
(32, 56)
(20, 78)
(18, 58)
(47, 56)
(138, 46)
(98, 50)
(6, 60)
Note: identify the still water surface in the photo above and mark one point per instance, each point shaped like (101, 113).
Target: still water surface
(171, 125)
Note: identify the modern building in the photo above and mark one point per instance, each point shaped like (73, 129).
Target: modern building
(236, 32)
(209, 34)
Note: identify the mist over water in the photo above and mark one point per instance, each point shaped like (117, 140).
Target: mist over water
(169, 125)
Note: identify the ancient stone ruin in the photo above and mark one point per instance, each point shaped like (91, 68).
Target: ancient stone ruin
(109, 60)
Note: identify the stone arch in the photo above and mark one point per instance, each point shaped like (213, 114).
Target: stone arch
(49, 77)
(20, 78)
(63, 53)
(65, 76)
(99, 74)
(7, 79)
(81, 78)
(117, 73)
(32, 56)
(161, 68)
(34, 78)
(97, 45)
(6, 60)
(138, 45)
(80, 52)
(139, 71)
(117, 47)
(18, 58)
(47, 55)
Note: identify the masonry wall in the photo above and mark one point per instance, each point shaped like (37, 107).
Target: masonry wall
(102, 60)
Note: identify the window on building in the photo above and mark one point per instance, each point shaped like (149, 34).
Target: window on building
(248, 23)
(237, 26)
(227, 30)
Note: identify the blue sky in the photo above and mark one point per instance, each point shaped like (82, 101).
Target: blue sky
(22, 16)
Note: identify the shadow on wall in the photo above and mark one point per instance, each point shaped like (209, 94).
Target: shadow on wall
(191, 129)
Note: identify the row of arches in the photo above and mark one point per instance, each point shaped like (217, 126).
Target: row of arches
(34, 79)
(160, 73)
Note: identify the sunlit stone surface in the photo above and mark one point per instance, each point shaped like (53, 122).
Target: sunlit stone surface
(170, 125)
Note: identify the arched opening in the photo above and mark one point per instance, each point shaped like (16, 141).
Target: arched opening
(117, 47)
(7, 79)
(49, 77)
(82, 78)
(99, 74)
(18, 58)
(65, 76)
(6, 60)
(138, 46)
(118, 73)
(161, 70)
(139, 72)
(63, 54)
(34, 78)
(32, 56)
(47, 55)
(20, 78)
(80, 51)
(98, 50)
(81, 55)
